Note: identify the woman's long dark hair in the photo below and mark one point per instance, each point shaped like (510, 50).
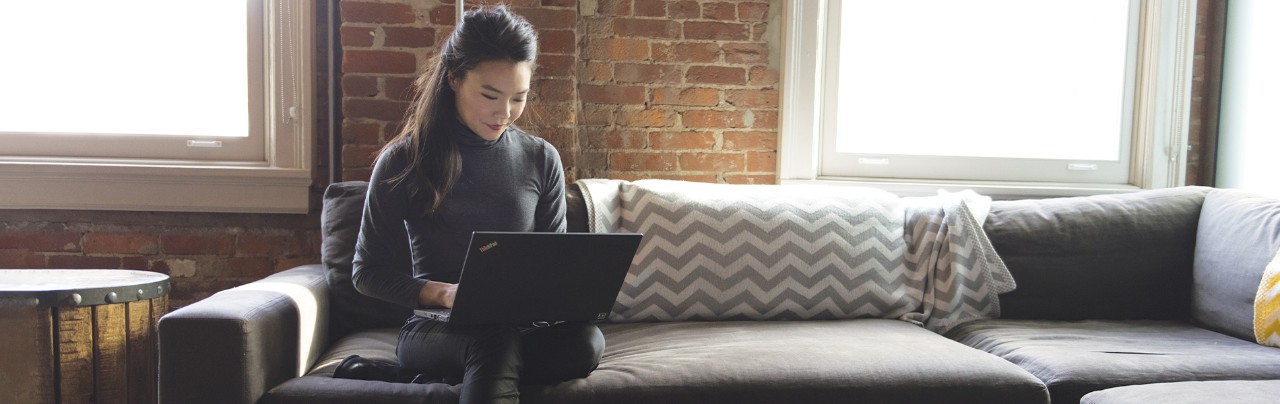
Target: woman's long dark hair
(485, 34)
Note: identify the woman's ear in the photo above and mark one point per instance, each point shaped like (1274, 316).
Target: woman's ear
(453, 82)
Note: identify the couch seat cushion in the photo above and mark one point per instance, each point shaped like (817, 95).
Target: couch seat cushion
(1076, 357)
(866, 360)
(1233, 391)
(318, 386)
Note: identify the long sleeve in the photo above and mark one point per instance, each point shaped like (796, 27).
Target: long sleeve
(549, 216)
(382, 249)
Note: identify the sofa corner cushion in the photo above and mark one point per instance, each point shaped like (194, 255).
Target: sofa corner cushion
(1239, 234)
(1238, 391)
(1124, 256)
(340, 226)
(1074, 358)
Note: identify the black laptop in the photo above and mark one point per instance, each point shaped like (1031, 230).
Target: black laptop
(533, 278)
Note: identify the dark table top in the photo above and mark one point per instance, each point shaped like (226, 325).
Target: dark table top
(78, 287)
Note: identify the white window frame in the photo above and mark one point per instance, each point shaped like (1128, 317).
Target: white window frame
(278, 182)
(1160, 124)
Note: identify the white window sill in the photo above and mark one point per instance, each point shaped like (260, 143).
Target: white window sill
(153, 187)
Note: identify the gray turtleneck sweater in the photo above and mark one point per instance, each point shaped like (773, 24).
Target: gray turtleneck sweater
(514, 183)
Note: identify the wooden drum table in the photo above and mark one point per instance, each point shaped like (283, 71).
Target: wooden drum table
(80, 336)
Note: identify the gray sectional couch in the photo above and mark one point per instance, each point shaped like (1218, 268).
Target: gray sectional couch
(1132, 289)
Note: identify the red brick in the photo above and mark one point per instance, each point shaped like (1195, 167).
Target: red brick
(134, 263)
(763, 76)
(445, 16)
(361, 133)
(386, 13)
(746, 53)
(617, 49)
(356, 173)
(368, 61)
(753, 12)
(552, 90)
(646, 73)
(712, 119)
(560, 3)
(684, 10)
(682, 140)
(409, 37)
(642, 161)
(615, 140)
(290, 263)
(198, 244)
(696, 52)
(548, 18)
(20, 259)
(712, 162)
(358, 155)
(250, 268)
(646, 28)
(716, 75)
(357, 36)
(269, 245)
(646, 118)
(556, 66)
(651, 8)
(752, 98)
(557, 41)
(764, 119)
(615, 8)
(750, 140)
(41, 241)
(762, 161)
(399, 88)
(720, 11)
(721, 31)
(359, 86)
(612, 94)
(119, 243)
(374, 109)
(735, 178)
(83, 262)
(597, 72)
(699, 97)
(592, 115)
(758, 30)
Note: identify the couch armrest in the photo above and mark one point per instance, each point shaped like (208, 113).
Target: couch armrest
(235, 345)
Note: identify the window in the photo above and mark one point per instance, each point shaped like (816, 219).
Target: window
(156, 105)
(1004, 96)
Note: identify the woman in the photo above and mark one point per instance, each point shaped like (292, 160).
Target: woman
(458, 166)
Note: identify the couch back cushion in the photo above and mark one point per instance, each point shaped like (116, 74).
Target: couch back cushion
(1239, 235)
(752, 252)
(1125, 256)
(339, 226)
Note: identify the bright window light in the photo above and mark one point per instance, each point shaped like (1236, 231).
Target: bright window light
(999, 78)
(137, 67)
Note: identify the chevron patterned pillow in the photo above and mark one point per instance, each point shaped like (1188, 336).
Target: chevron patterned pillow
(1266, 306)
(763, 252)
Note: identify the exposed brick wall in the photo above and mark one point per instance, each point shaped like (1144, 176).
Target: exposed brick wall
(624, 89)
(201, 252)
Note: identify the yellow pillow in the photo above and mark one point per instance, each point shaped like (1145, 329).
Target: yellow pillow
(1266, 306)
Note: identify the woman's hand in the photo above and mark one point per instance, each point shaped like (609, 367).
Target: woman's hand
(437, 294)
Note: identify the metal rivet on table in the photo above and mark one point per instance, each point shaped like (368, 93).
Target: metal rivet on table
(74, 299)
(141, 294)
(112, 297)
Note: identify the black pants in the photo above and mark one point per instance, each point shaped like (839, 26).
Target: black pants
(492, 361)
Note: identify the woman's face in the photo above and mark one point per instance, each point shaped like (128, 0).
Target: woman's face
(492, 95)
